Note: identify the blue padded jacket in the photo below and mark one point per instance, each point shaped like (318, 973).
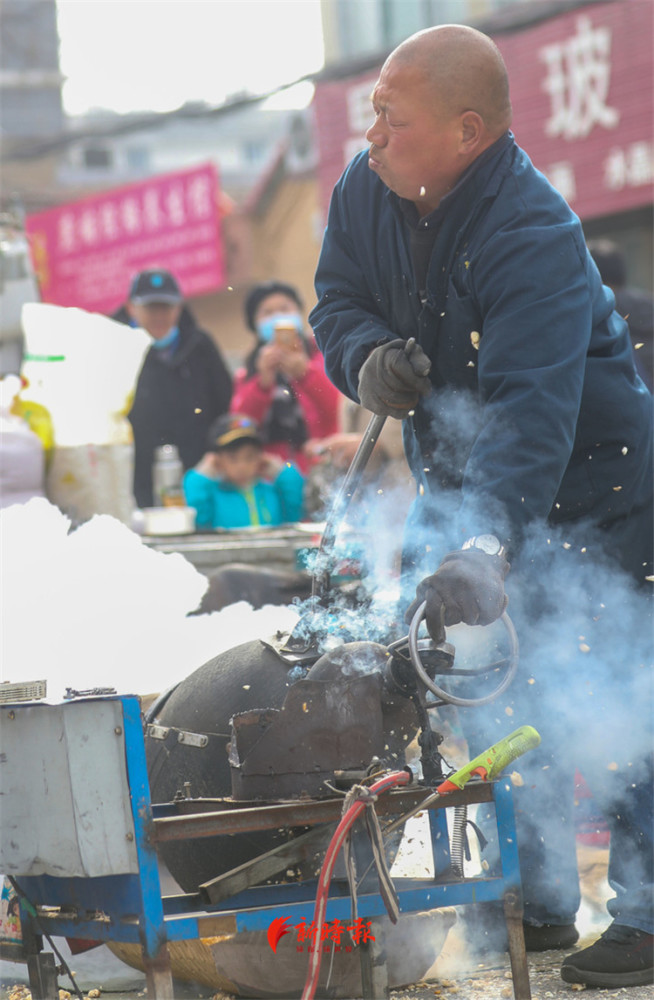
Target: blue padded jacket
(536, 410)
(219, 504)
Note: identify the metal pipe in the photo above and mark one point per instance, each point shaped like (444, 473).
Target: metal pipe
(288, 814)
(322, 574)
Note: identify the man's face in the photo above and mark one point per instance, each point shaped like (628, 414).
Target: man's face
(415, 142)
(156, 318)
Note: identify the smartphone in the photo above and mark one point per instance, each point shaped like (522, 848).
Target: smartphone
(286, 336)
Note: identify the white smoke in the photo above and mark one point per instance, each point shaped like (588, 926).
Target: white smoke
(585, 673)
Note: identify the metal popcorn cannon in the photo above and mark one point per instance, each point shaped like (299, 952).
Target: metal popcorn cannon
(298, 716)
(275, 783)
(256, 724)
(330, 728)
(290, 727)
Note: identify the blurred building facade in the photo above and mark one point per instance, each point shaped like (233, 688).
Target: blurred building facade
(242, 141)
(264, 155)
(582, 84)
(31, 107)
(352, 30)
(29, 69)
(265, 158)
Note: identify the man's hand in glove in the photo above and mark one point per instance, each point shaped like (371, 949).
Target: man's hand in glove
(393, 377)
(468, 587)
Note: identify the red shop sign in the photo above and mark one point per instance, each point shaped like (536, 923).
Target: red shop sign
(86, 252)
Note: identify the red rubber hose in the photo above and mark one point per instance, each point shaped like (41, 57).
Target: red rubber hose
(322, 895)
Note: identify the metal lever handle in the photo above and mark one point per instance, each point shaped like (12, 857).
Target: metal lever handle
(321, 578)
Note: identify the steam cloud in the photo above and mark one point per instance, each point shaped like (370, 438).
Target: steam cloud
(585, 676)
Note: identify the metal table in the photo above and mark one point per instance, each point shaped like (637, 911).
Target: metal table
(270, 548)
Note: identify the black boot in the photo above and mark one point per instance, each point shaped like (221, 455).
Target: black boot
(549, 937)
(623, 956)
(485, 932)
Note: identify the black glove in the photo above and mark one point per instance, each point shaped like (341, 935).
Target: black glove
(468, 587)
(392, 378)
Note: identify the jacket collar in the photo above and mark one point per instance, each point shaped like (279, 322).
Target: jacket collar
(480, 176)
(186, 344)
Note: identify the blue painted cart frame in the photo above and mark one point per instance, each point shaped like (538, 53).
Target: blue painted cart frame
(130, 907)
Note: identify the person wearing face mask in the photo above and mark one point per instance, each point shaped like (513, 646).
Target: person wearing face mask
(283, 385)
(184, 383)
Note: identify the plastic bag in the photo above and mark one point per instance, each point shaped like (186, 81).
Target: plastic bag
(83, 368)
(22, 457)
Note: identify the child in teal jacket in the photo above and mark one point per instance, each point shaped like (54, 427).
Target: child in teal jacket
(236, 486)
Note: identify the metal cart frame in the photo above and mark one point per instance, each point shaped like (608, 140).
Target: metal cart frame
(97, 876)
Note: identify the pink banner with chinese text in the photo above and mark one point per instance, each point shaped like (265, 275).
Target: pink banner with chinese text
(86, 252)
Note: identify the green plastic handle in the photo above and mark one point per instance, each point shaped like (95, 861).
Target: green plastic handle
(492, 762)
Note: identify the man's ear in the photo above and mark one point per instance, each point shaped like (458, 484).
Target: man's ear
(473, 131)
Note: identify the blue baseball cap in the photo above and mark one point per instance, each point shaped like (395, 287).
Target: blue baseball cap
(230, 428)
(155, 285)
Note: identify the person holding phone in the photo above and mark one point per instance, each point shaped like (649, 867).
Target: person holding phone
(283, 385)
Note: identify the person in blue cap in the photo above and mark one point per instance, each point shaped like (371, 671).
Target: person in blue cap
(184, 383)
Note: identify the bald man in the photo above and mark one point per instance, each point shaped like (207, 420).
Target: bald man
(529, 434)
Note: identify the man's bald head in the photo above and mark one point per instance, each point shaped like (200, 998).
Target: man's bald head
(464, 68)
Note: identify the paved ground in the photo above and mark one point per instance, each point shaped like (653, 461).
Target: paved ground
(454, 976)
(493, 981)
(450, 979)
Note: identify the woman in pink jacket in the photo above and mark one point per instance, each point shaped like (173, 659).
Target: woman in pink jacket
(283, 386)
